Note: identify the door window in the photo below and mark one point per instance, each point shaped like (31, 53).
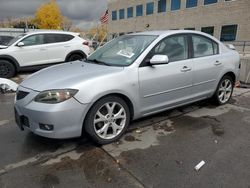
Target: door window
(55, 38)
(33, 40)
(203, 46)
(175, 47)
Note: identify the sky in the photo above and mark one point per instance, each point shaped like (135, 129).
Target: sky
(83, 13)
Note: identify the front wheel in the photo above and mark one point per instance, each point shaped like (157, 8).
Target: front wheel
(224, 90)
(7, 69)
(107, 120)
(75, 57)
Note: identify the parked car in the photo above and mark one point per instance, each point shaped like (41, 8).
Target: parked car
(5, 39)
(132, 76)
(94, 44)
(39, 49)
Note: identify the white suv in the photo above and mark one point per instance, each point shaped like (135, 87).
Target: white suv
(39, 49)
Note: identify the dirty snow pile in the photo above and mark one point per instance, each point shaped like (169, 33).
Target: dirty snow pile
(7, 85)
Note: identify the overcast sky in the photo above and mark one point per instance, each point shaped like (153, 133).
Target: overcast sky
(83, 13)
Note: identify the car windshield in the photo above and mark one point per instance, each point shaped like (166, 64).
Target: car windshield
(15, 39)
(122, 51)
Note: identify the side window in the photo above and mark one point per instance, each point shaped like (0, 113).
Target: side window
(49, 38)
(204, 46)
(216, 48)
(63, 37)
(55, 38)
(175, 47)
(33, 40)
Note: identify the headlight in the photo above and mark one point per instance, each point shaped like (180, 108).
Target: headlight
(55, 96)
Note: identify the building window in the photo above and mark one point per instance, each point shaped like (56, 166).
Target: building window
(162, 5)
(121, 14)
(139, 10)
(208, 30)
(207, 2)
(189, 28)
(228, 33)
(114, 15)
(130, 12)
(175, 4)
(191, 3)
(150, 8)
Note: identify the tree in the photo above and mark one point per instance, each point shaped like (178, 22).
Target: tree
(66, 24)
(24, 22)
(48, 16)
(98, 33)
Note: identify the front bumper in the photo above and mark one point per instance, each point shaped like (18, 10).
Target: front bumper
(66, 117)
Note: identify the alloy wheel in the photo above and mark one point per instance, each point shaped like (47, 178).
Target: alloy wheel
(110, 120)
(4, 70)
(225, 91)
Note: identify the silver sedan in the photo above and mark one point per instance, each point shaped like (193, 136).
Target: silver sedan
(132, 76)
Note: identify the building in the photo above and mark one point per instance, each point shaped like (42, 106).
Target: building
(227, 20)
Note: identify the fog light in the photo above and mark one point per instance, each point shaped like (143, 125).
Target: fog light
(46, 127)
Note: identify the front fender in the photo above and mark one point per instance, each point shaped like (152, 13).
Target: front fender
(12, 59)
(125, 83)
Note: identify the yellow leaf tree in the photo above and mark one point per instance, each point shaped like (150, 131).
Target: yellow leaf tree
(48, 16)
(100, 33)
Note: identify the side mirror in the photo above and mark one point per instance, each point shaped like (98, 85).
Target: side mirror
(159, 59)
(20, 44)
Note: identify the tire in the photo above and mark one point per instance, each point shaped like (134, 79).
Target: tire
(75, 57)
(110, 125)
(7, 69)
(224, 90)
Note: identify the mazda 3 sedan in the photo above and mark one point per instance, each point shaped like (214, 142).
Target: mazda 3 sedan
(132, 76)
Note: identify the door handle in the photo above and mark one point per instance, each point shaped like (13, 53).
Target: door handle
(217, 63)
(186, 69)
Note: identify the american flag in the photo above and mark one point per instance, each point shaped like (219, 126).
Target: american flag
(105, 17)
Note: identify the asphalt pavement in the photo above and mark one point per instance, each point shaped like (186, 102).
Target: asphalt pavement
(157, 151)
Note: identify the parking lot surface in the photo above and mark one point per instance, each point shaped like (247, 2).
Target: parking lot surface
(157, 151)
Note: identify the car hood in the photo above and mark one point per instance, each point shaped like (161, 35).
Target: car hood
(67, 75)
(3, 47)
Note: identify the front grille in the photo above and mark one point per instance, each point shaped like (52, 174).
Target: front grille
(21, 94)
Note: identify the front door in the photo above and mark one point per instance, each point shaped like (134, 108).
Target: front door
(166, 85)
(33, 52)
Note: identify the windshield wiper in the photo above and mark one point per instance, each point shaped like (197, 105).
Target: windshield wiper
(98, 62)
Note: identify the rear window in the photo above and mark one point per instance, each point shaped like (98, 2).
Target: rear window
(204, 46)
(55, 38)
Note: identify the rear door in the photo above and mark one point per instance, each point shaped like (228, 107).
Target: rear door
(166, 85)
(207, 65)
(33, 52)
(58, 46)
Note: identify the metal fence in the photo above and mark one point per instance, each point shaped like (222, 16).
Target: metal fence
(17, 31)
(242, 47)
(11, 31)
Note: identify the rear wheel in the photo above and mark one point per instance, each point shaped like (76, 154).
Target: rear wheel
(107, 120)
(7, 69)
(224, 90)
(75, 57)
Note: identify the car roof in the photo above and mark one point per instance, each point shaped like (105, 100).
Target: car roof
(167, 32)
(52, 32)
(171, 32)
